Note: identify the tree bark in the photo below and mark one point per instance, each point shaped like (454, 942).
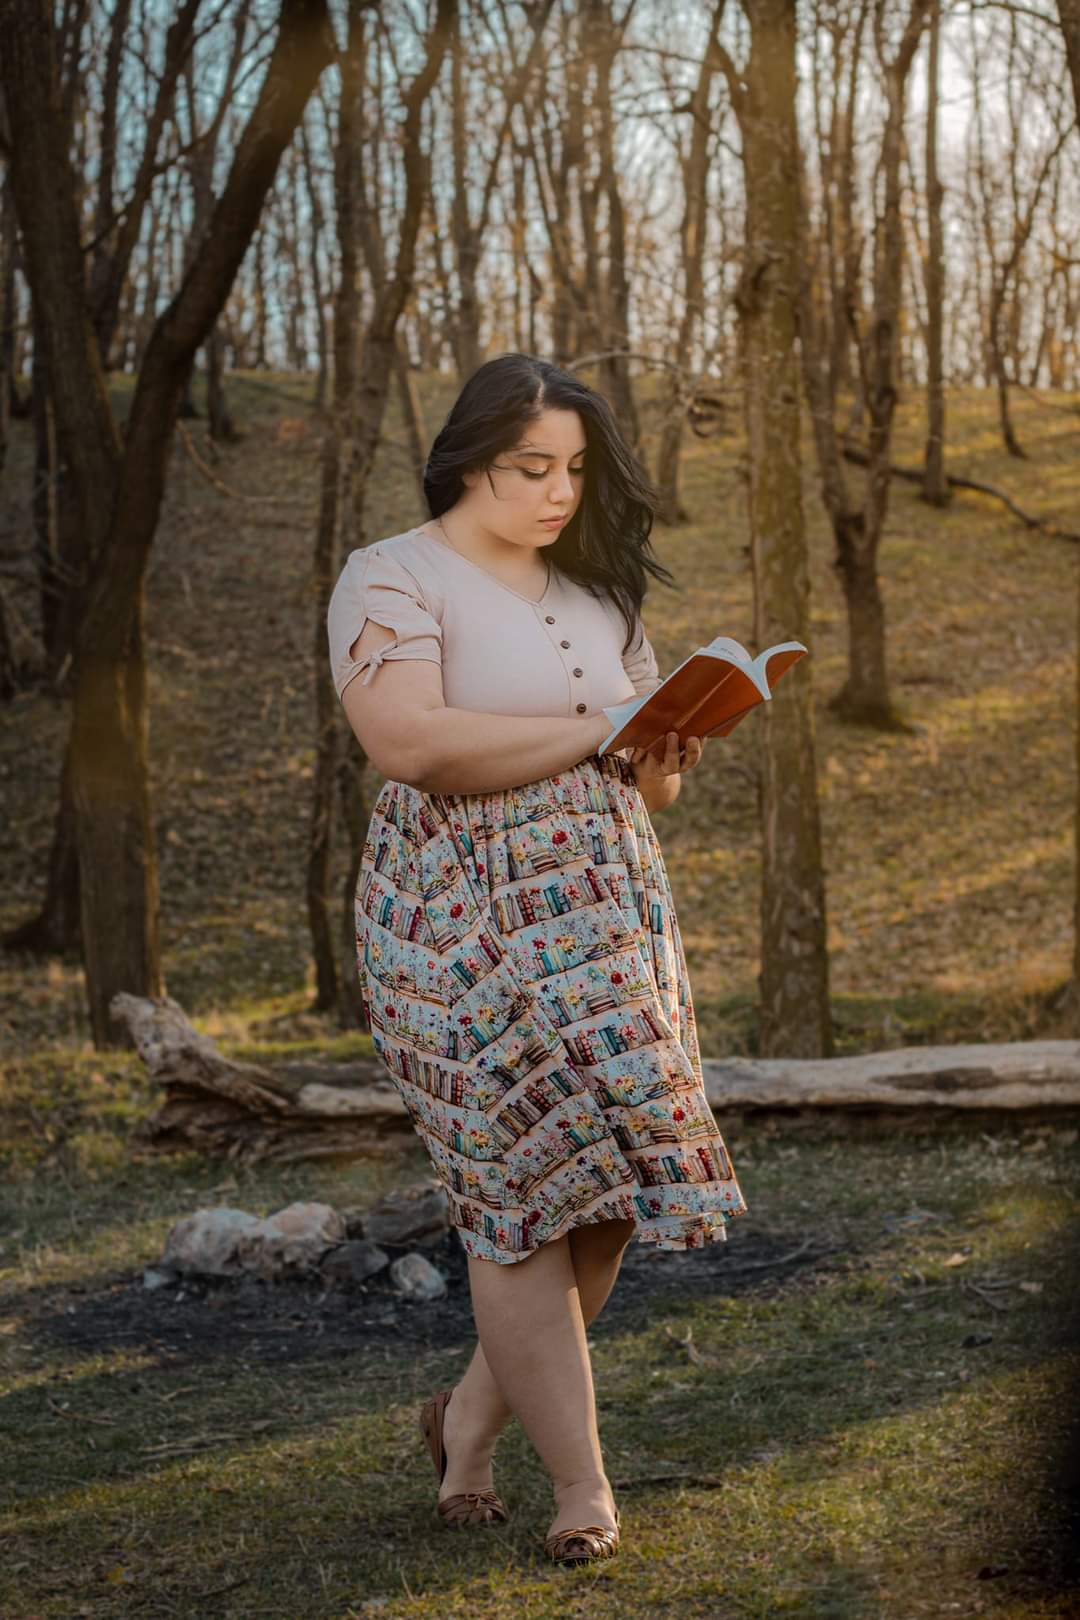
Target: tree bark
(1069, 15)
(794, 1011)
(335, 508)
(935, 489)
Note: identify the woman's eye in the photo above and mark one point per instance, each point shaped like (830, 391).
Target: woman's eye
(575, 472)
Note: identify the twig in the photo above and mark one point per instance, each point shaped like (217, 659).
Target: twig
(219, 484)
(80, 1417)
(912, 475)
(987, 1299)
(216, 1591)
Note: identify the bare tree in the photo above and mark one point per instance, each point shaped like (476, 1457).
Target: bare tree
(1011, 200)
(467, 232)
(119, 483)
(857, 530)
(694, 164)
(360, 398)
(794, 982)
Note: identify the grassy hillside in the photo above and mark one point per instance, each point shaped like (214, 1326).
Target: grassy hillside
(948, 852)
(856, 1408)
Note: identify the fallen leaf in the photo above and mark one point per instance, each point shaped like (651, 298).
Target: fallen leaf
(1032, 1287)
(957, 1259)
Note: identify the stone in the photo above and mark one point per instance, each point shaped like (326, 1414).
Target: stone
(417, 1278)
(159, 1277)
(222, 1242)
(354, 1261)
(293, 1239)
(418, 1213)
(208, 1242)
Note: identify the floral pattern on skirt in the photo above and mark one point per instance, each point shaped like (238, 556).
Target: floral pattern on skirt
(524, 979)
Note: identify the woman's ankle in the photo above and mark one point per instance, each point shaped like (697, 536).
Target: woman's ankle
(587, 1500)
(583, 1484)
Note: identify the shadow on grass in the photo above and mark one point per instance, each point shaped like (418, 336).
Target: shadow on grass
(243, 1457)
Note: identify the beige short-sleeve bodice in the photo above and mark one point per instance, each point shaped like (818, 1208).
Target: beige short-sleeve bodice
(500, 651)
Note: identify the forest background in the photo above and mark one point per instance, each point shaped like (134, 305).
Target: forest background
(824, 262)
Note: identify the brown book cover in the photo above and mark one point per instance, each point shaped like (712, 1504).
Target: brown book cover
(706, 696)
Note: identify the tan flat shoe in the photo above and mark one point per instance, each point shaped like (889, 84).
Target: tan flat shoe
(584, 1546)
(471, 1507)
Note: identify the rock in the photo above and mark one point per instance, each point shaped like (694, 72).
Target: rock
(158, 1277)
(354, 1262)
(292, 1239)
(417, 1278)
(415, 1214)
(222, 1242)
(208, 1242)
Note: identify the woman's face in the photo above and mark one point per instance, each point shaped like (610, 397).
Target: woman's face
(530, 492)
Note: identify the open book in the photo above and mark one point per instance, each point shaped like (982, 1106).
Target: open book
(706, 696)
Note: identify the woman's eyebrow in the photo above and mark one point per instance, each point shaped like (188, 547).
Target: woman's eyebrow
(545, 455)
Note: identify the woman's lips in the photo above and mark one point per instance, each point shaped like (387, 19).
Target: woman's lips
(553, 523)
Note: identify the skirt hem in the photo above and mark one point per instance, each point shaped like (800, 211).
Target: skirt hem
(692, 1234)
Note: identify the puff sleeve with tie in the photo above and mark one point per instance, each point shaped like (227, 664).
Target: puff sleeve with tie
(374, 584)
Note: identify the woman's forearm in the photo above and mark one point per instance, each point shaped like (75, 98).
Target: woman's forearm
(462, 751)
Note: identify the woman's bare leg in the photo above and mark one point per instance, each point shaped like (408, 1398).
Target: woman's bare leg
(479, 1412)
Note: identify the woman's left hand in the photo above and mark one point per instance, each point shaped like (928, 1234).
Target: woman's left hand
(653, 765)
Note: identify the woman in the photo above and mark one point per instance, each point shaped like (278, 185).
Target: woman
(519, 955)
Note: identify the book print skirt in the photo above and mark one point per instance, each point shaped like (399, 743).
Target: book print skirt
(523, 975)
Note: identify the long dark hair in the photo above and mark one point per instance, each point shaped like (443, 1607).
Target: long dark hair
(606, 545)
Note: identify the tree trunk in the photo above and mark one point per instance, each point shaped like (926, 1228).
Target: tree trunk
(864, 697)
(606, 37)
(692, 236)
(793, 984)
(412, 416)
(380, 338)
(219, 417)
(335, 510)
(1069, 14)
(322, 337)
(935, 489)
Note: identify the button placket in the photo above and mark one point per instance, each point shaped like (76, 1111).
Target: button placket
(581, 708)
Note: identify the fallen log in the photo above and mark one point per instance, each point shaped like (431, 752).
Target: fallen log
(248, 1112)
(310, 1110)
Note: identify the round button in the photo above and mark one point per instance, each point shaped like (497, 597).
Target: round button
(548, 619)
(564, 644)
(579, 672)
(582, 707)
